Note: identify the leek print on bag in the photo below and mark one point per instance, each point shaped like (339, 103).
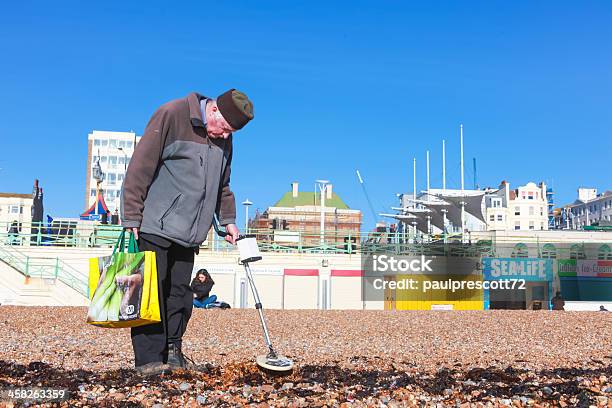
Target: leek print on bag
(119, 289)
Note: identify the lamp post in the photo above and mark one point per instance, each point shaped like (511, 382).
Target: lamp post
(125, 160)
(323, 189)
(246, 204)
(98, 175)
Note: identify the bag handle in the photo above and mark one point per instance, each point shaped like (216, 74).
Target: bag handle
(120, 242)
(132, 243)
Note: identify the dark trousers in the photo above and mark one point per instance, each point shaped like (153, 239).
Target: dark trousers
(174, 267)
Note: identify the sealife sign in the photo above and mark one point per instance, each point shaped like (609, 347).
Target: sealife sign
(529, 269)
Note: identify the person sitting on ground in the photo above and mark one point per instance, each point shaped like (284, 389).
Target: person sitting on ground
(558, 303)
(602, 308)
(201, 286)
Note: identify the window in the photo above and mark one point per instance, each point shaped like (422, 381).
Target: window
(530, 196)
(520, 251)
(21, 209)
(492, 217)
(96, 142)
(121, 160)
(92, 192)
(605, 253)
(541, 211)
(517, 225)
(128, 144)
(496, 202)
(517, 210)
(112, 143)
(14, 209)
(121, 144)
(104, 143)
(531, 225)
(120, 177)
(549, 251)
(500, 217)
(111, 179)
(577, 252)
(103, 159)
(542, 226)
(112, 160)
(531, 211)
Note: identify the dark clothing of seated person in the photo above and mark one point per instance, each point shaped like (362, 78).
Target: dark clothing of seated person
(201, 287)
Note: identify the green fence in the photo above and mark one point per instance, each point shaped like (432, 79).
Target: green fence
(44, 268)
(88, 234)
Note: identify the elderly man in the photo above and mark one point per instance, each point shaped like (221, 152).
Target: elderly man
(178, 177)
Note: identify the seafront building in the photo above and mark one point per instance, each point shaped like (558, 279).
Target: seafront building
(589, 209)
(113, 150)
(523, 208)
(15, 210)
(296, 218)
(452, 211)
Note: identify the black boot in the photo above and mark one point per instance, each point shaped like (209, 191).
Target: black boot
(176, 359)
(179, 361)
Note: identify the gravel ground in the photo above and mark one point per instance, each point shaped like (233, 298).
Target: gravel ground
(343, 358)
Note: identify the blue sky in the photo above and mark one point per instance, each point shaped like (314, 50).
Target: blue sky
(336, 86)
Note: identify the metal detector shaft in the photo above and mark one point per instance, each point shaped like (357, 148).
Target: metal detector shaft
(259, 308)
(258, 305)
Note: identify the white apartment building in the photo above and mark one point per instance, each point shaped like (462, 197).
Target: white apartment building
(15, 207)
(524, 208)
(590, 208)
(114, 149)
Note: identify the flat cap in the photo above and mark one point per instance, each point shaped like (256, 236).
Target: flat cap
(236, 108)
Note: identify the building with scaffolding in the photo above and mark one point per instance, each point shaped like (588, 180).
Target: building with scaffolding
(296, 217)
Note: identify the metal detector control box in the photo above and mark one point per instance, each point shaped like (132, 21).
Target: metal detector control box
(249, 251)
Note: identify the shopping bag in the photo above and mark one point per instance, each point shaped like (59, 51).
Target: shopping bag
(123, 287)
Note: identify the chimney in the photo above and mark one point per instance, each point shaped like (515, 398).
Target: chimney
(328, 192)
(294, 188)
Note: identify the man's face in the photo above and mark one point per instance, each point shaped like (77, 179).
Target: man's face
(216, 125)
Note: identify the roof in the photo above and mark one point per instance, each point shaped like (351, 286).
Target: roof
(309, 198)
(96, 210)
(15, 195)
(602, 196)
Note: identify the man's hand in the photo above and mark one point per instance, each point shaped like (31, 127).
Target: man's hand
(232, 233)
(135, 231)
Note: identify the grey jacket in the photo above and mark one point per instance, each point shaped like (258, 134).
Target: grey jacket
(178, 176)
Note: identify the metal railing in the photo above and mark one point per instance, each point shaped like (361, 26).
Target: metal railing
(44, 268)
(88, 234)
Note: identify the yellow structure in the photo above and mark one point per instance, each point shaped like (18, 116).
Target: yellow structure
(427, 292)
